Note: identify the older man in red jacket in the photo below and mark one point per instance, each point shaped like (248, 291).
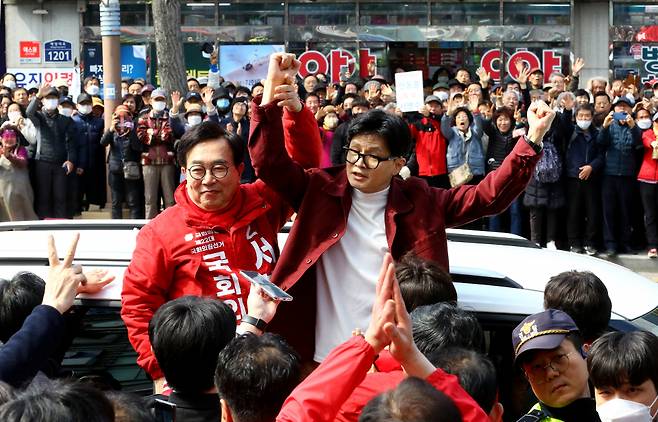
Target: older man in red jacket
(349, 217)
(216, 228)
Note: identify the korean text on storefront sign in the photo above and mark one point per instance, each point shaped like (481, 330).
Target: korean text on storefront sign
(30, 78)
(551, 62)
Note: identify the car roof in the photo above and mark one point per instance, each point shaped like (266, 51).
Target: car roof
(505, 269)
(632, 295)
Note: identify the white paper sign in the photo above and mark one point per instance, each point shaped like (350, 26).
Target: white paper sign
(409, 90)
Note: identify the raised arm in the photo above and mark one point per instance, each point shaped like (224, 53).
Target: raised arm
(499, 188)
(267, 147)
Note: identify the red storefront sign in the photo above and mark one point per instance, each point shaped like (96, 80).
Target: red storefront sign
(29, 51)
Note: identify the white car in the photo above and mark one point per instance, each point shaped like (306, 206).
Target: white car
(500, 277)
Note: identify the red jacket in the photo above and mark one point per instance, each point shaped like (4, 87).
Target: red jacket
(649, 168)
(342, 377)
(430, 147)
(189, 251)
(416, 215)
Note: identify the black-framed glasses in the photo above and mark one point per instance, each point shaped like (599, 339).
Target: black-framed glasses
(537, 373)
(198, 172)
(369, 160)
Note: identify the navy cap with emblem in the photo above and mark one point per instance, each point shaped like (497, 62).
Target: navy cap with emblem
(542, 331)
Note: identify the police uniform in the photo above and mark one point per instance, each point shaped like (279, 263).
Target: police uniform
(546, 331)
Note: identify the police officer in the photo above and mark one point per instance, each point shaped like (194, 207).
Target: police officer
(549, 350)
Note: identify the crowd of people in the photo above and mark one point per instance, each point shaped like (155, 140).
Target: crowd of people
(599, 171)
(373, 332)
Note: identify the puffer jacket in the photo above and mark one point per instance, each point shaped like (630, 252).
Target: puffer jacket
(619, 143)
(56, 135)
(125, 147)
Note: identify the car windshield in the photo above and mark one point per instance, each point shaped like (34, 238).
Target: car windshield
(648, 322)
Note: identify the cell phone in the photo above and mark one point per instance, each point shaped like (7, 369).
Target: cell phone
(271, 289)
(619, 116)
(164, 411)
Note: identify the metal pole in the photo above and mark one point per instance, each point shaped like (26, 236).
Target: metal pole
(110, 32)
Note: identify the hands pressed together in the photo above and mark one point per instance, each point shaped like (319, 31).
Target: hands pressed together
(390, 324)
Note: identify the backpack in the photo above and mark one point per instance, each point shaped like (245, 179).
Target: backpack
(549, 167)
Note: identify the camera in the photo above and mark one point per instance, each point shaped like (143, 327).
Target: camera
(207, 49)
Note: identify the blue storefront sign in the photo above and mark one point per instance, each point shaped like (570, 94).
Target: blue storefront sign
(57, 51)
(133, 61)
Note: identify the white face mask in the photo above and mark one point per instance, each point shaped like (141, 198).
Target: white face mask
(50, 104)
(584, 124)
(93, 90)
(10, 84)
(14, 115)
(65, 111)
(442, 95)
(620, 410)
(194, 120)
(644, 123)
(84, 109)
(158, 105)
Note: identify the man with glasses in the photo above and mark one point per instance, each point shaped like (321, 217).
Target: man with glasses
(217, 228)
(549, 350)
(349, 216)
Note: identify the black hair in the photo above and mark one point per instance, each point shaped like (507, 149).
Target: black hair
(617, 358)
(584, 297)
(56, 401)
(255, 85)
(475, 371)
(413, 400)
(186, 334)
(423, 282)
(244, 89)
(360, 102)
(585, 107)
(129, 407)
(38, 408)
(391, 128)
(602, 94)
(89, 79)
(20, 107)
(129, 96)
(18, 297)
(19, 88)
(453, 117)
(8, 74)
(209, 131)
(445, 325)
(581, 93)
(255, 375)
(503, 111)
(311, 94)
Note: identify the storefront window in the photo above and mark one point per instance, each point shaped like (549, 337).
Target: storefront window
(393, 14)
(536, 14)
(635, 14)
(238, 14)
(197, 13)
(465, 14)
(132, 14)
(322, 14)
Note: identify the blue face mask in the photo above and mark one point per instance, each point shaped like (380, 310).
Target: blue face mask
(223, 103)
